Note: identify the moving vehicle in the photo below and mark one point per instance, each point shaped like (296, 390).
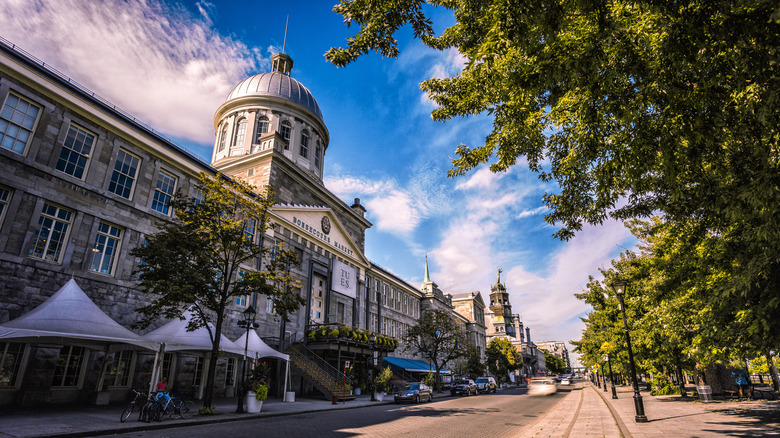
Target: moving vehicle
(486, 384)
(464, 387)
(414, 392)
(542, 386)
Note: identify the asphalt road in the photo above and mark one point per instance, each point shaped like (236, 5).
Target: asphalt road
(504, 414)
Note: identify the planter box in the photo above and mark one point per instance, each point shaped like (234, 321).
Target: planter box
(253, 405)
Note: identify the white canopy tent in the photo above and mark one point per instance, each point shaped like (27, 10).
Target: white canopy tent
(70, 317)
(256, 348)
(173, 336)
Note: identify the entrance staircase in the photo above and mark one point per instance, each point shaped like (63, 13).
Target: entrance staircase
(317, 371)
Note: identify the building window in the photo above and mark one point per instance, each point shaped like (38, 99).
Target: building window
(119, 373)
(240, 133)
(285, 131)
(105, 249)
(304, 150)
(68, 368)
(269, 305)
(11, 354)
(5, 198)
(16, 123)
(317, 152)
(262, 126)
(198, 371)
(249, 230)
(223, 138)
(123, 178)
(241, 300)
(51, 233)
(250, 172)
(230, 371)
(75, 152)
(163, 192)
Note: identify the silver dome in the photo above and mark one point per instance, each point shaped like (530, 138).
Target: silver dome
(276, 84)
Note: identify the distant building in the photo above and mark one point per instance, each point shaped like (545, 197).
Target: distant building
(558, 348)
(471, 306)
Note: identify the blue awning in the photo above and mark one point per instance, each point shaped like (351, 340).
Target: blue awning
(411, 365)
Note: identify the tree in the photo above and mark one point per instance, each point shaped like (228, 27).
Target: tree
(554, 364)
(471, 363)
(439, 338)
(632, 107)
(207, 255)
(502, 358)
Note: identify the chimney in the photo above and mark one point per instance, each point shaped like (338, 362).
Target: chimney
(359, 209)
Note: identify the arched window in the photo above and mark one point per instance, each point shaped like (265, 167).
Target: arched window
(304, 150)
(223, 138)
(317, 152)
(240, 133)
(285, 131)
(262, 126)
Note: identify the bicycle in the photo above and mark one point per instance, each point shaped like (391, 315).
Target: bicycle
(180, 408)
(152, 410)
(131, 407)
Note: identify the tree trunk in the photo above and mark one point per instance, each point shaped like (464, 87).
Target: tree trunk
(772, 371)
(208, 393)
(681, 379)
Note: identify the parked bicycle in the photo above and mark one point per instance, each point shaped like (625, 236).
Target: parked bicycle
(178, 408)
(161, 407)
(139, 398)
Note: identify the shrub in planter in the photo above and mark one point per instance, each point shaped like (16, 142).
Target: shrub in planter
(260, 390)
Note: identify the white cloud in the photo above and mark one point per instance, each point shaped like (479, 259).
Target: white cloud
(160, 63)
(533, 212)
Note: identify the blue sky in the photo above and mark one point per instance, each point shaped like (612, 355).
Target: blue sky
(171, 64)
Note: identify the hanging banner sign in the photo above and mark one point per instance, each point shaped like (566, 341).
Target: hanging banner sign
(344, 279)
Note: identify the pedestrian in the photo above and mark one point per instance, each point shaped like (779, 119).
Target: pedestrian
(162, 385)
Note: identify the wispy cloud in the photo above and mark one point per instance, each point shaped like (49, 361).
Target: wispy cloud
(157, 61)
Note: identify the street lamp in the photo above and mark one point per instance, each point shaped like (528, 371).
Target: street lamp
(620, 290)
(611, 378)
(249, 323)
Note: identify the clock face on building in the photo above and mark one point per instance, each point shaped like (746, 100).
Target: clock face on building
(325, 223)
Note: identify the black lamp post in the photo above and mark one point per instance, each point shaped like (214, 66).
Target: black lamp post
(611, 378)
(249, 323)
(620, 290)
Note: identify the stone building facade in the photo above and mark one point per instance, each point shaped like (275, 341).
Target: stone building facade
(82, 183)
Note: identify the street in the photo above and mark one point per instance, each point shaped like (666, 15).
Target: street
(505, 414)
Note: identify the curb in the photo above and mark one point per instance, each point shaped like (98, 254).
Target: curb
(621, 425)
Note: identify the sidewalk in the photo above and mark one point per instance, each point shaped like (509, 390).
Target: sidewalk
(586, 411)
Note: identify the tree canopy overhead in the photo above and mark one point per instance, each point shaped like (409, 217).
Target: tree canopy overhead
(632, 107)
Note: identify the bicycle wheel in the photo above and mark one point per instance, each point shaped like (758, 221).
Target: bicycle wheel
(166, 412)
(127, 412)
(187, 409)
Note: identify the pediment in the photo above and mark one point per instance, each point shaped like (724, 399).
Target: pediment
(320, 225)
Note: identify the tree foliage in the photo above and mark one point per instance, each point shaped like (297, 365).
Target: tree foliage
(554, 364)
(632, 107)
(502, 358)
(439, 338)
(207, 255)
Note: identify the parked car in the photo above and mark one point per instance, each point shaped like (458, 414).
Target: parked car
(486, 384)
(464, 387)
(542, 386)
(414, 392)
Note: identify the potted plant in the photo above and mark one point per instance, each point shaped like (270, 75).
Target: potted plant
(258, 392)
(381, 382)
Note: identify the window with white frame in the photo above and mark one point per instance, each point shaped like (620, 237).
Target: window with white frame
(269, 305)
(163, 192)
(51, 234)
(17, 120)
(121, 368)
(285, 130)
(249, 230)
(241, 300)
(304, 149)
(11, 354)
(223, 138)
(105, 249)
(5, 199)
(75, 152)
(123, 176)
(240, 133)
(67, 373)
(230, 371)
(262, 126)
(198, 371)
(317, 153)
